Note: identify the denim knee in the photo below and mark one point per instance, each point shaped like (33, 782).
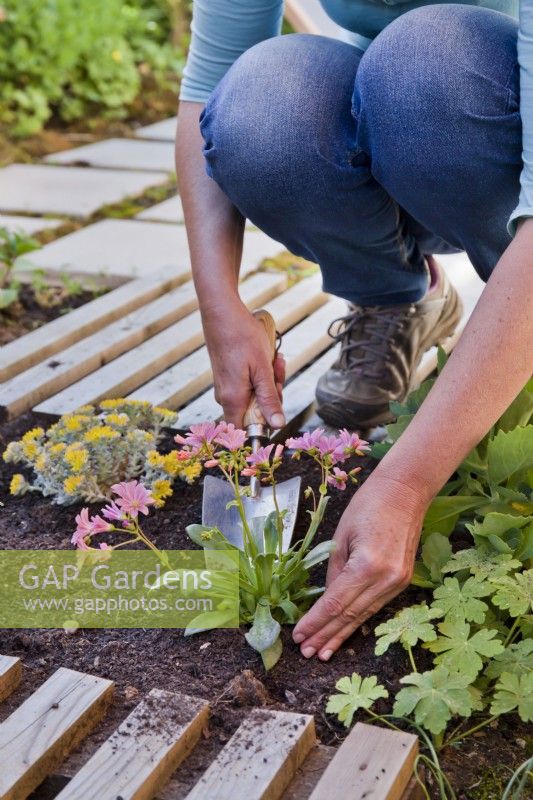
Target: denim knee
(425, 78)
(270, 112)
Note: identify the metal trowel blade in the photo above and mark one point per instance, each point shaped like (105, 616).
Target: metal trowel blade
(215, 514)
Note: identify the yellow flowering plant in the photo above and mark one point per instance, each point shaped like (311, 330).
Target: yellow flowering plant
(84, 453)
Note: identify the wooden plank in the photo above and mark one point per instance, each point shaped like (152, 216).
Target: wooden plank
(300, 346)
(372, 762)
(123, 374)
(46, 727)
(52, 375)
(260, 759)
(140, 756)
(299, 18)
(70, 328)
(10, 675)
(189, 377)
(299, 394)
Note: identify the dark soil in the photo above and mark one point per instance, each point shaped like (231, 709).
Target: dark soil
(31, 310)
(219, 665)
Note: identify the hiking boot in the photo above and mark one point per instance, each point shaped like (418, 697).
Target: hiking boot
(381, 348)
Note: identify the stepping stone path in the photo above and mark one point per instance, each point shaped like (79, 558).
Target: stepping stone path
(164, 130)
(120, 154)
(29, 225)
(72, 191)
(144, 337)
(169, 210)
(116, 250)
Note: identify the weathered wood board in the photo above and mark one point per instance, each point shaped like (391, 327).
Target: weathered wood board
(36, 737)
(260, 759)
(140, 756)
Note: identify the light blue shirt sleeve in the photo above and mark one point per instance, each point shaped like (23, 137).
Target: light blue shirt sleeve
(525, 57)
(221, 31)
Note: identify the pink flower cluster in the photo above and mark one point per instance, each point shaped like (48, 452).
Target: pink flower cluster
(132, 499)
(201, 438)
(260, 460)
(338, 448)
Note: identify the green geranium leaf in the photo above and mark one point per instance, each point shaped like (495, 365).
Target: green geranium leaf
(443, 513)
(510, 453)
(436, 552)
(497, 524)
(514, 593)
(514, 692)
(461, 652)
(434, 697)
(516, 659)
(408, 626)
(354, 693)
(481, 562)
(462, 602)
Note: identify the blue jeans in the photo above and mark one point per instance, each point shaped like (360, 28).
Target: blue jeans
(367, 162)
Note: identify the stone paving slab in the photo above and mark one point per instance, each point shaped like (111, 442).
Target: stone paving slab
(114, 250)
(29, 225)
(169, 210)
(164, 130)
(119, 154)
(73, 191)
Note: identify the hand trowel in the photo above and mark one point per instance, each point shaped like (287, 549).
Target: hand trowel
(217, 508)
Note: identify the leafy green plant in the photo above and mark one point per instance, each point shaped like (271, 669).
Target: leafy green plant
(69, 59)
(478, 623)
(13, 245)
(275, 585)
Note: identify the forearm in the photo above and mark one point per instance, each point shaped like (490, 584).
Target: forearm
(489, 366)
(214, 226)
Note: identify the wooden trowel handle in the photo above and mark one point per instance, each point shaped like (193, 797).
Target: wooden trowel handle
(253, 415)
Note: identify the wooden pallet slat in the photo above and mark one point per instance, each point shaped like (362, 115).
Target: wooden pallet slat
(260, 759)
(301, 345)
(30, 349)
(140, 756)
(372, 762)
(123, 374)
(189, 377)
(10, 675)
(46, 727)
(51, 376)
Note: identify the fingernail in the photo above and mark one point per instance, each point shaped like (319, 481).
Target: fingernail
(308, 652)
(326, 655)
(277, 420)
(298, 637)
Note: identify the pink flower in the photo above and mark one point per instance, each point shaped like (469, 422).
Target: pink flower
(261, 457)
(349, 444)
(327, 445)
(230, 437)
(338, 479)
(104, 546)
(249, 472)
(199, 435)
(112, 511)
(213, 462)
(88, 527)
(133, 497)
(309, 440)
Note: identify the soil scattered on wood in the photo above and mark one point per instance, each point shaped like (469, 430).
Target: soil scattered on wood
(219, 665)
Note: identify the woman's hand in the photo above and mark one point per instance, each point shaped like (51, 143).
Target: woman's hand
(376, 540)
(241, 358)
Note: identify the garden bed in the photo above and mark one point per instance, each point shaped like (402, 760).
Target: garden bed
(35, 309)
(218, 665)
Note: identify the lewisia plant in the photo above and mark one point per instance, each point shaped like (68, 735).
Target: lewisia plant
(275, 586)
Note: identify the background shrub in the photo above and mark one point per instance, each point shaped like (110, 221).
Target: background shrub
(74, 58)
